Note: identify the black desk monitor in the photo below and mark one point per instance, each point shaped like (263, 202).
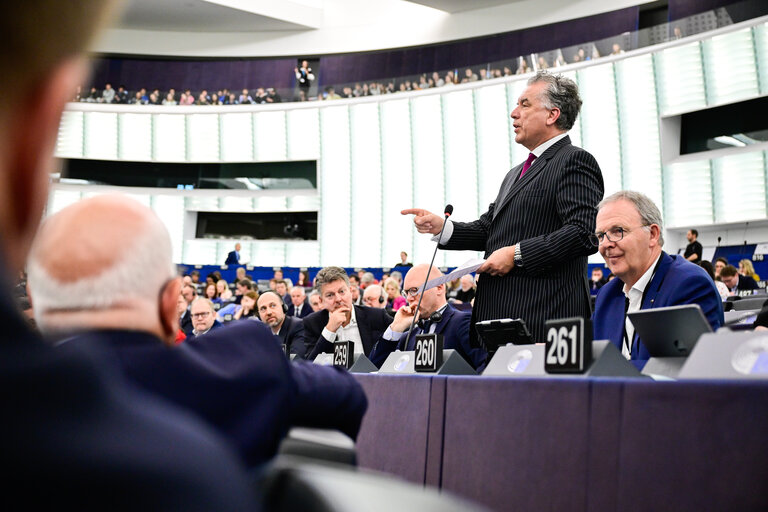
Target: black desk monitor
(672, 331)
(497, 333)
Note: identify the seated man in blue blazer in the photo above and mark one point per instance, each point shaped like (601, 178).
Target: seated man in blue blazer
(299, 307)
(289, 330)
(629, 234)
(434, 316)
(340, 320)
(236, 377)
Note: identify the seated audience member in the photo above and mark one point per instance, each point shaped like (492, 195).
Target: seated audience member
(288, 329)
(299, 306)
(281, 288)
(240, 275)
(182, 308)
(223, 291)
(242, 287)
(189, 292)
(434, 315)
(203, 317)
(212, 294)
(629, 236)
(467, 289)
(597, 280)
(236, 378)
(394, 299)
(747, 269)
(736, 282)
(340, 320)
(397, 276)
(374, 297)
(357, 297)
(304, 280)
(247, 307)
(315, 301)
(719, 264)
(367, 279)
(721, 288)
(195, 275)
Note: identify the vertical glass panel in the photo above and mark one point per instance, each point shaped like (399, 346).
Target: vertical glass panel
(302, 254)
(100, 136)
(303, 134)
(729, 61)
(688, 194)
(203, 137)
(367, 184)
(135, 137)
(428, 164)
(761, 46)
(236, 137)
(203, 203)
(397, 230)
(600, 122)
(739, 187)
(236, 203)
(269, 136)
(639, 126)
(335, 191)
(69, 143)
(169, 136)
(493, 139)
(460, 161)
(267, 254)
(170, 209)
(201, 252)
(59, 199)
(517, 152)
(680, 79)
(303, 203)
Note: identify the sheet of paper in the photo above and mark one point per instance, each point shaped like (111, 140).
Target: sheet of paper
(465, 268)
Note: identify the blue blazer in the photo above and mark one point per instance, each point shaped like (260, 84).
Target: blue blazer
(676, 282)
(232, 258)
(238, 380)
(454, 326)
(306, 310)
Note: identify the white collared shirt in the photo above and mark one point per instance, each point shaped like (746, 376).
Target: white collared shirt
(538, 151)
(348, 333)
(635, 296)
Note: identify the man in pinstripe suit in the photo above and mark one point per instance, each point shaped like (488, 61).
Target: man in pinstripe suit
(536, 234)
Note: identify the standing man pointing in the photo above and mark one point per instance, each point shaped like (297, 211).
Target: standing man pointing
(536, 234)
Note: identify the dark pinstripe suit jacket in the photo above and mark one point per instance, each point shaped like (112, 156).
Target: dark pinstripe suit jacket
(551, 212)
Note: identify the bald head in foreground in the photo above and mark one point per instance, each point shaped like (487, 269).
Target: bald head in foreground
(434, 315)
(91, 299)
(77, 435)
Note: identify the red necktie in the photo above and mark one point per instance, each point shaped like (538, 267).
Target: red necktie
(527, 164)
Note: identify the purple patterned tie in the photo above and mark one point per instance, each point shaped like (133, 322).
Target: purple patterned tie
(527, 164)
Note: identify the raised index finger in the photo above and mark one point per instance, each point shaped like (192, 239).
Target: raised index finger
(414, 211)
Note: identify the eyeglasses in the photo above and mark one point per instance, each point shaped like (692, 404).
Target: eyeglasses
(410, 292)
(202, 315)
(613, 234)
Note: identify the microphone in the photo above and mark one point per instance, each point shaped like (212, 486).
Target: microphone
(448, 212)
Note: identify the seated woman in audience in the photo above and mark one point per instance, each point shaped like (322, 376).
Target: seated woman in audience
(721, 288)
(247, 307)
(222, 287)
(747, 269)
(394, 299)
(212, 294)
(169, 99)
(304, 279)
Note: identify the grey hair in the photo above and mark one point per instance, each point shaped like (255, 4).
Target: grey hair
(328, 275)
(561, 93)
(649, 212)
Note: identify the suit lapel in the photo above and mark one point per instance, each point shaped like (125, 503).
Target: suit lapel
(447, 314)
(363, 328)
(519, 184)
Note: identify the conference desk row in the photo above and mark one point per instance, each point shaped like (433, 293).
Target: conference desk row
(572, 443)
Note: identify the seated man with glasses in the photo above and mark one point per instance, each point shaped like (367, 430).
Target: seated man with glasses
(434, 315)
(629, 237)
(340, 320)
(203, 316)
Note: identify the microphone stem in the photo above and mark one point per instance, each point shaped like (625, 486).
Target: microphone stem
(426, 280)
